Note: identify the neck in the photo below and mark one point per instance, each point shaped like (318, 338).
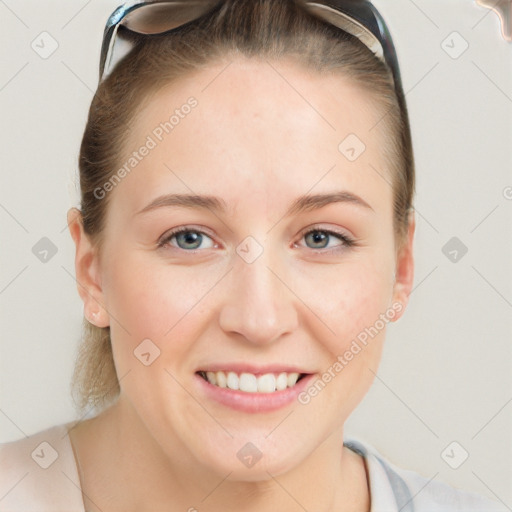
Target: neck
(125, 469)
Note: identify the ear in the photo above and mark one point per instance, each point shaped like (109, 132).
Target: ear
(87, 272)
(404, 271)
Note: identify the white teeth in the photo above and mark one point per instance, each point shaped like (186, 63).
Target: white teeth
(221, 380)
(267, 383)
(232, 381)
(292, 379)
(250, 383)
(281, 381)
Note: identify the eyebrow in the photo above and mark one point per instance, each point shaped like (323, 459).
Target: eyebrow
(301, 204)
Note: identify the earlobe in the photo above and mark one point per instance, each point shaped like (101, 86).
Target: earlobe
(87, 271)
(404, 271)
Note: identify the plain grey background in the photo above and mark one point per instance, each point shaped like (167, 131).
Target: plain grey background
(446, 372)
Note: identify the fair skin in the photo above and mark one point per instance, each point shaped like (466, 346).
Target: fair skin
(255, 143)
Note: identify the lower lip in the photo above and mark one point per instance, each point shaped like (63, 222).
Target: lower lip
(253, 402)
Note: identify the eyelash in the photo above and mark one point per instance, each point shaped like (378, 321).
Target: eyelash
(348, 242)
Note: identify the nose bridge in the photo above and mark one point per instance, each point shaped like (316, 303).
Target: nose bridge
(259, 305)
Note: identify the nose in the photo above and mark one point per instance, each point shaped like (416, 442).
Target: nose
(259, 305)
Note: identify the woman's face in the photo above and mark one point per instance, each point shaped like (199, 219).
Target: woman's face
(261, 283)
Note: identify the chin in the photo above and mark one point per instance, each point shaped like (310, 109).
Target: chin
(251, 461)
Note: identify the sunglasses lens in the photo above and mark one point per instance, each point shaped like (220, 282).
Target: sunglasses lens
(159, 17)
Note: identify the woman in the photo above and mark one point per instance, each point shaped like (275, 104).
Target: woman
(246, 220)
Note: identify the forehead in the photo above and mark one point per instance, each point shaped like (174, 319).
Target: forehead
(269, 127)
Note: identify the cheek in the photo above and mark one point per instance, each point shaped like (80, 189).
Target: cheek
(355, 307)
(349, 297)
(148, 299)
(156, 309)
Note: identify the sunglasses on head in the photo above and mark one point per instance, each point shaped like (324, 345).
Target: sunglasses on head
(357, 17)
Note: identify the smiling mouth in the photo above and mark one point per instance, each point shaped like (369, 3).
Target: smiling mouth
(251, 383)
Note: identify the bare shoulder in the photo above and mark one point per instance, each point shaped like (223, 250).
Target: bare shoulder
(39, 469)
(36, 449)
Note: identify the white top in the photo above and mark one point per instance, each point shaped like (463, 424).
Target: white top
(39, 474)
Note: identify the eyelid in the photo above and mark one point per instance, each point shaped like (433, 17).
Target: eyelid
(321, 227)
(329, 230)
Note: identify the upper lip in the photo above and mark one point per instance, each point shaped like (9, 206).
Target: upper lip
(251, 368)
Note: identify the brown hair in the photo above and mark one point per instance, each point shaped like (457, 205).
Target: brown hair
(273, 29)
